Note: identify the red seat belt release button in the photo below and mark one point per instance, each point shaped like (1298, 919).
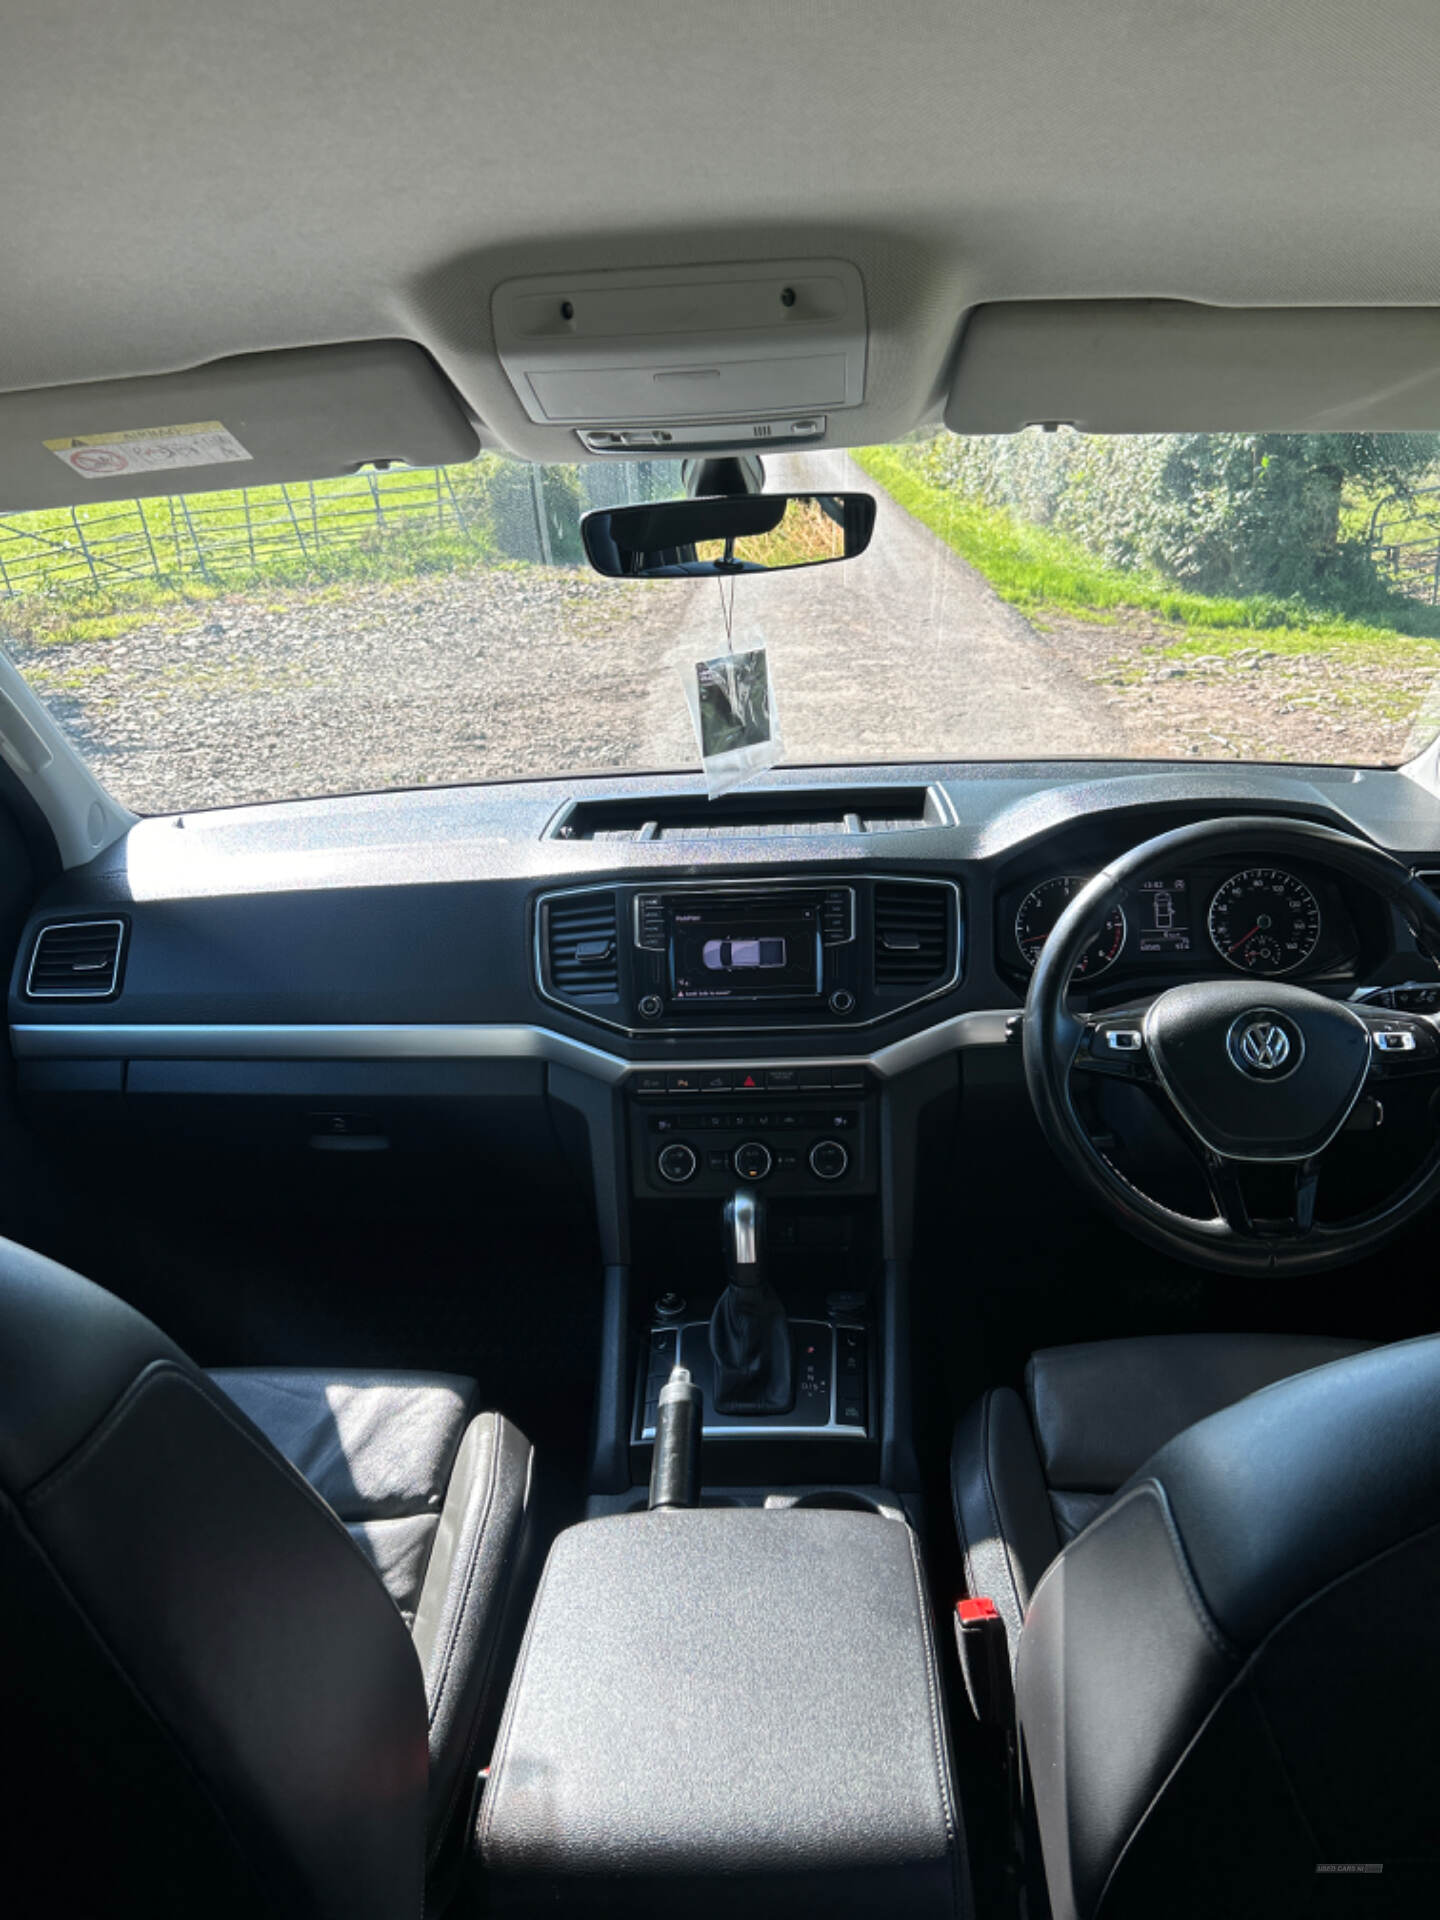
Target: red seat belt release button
(985, 1660)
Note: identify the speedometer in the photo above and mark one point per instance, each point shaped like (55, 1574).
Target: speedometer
(1264, 920)
(1043, 906)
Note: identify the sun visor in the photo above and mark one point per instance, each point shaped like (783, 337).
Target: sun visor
(304, 414)
(1167, 366)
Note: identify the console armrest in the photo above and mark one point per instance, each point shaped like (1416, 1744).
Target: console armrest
(722, 1710)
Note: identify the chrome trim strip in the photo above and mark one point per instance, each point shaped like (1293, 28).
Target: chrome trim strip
(106, 1040)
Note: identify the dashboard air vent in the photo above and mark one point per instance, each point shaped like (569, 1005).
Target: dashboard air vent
(773, 814)
(913, 933)
(76, 960)
(582, 946)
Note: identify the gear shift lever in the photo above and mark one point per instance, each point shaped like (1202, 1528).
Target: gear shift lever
(749, 1333)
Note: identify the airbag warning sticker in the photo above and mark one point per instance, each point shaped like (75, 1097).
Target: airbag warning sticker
(106, 456)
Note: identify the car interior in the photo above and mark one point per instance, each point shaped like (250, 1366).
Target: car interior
(739, 1330)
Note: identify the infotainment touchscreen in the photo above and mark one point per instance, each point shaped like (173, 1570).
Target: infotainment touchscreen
(752, 950)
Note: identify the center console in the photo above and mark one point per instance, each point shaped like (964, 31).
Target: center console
(746, 1070)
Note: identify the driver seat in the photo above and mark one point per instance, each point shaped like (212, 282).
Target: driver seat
(1027, 1476)
(1227, 1682)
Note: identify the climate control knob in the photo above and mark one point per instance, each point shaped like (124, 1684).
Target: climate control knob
(677, 1163)
(753, 1161)
(829, 1159)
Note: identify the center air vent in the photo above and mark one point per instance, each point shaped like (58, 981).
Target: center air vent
(914, 933)
(581, 946)
(76, 960)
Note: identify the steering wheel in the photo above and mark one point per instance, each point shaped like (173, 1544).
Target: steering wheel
(1253, 1071)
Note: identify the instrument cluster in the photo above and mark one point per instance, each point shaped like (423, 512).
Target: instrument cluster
(1257, 918)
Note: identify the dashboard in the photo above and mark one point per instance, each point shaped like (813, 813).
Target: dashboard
(342, 958)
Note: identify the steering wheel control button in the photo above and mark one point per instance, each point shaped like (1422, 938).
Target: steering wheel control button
(677, 1163)
(1393, 1040)
(1124, 1040)
(1401, 1045)
(829, 1160)
(753, 1160)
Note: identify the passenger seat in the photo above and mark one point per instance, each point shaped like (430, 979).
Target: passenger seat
(436, 1495)
(213, 1591)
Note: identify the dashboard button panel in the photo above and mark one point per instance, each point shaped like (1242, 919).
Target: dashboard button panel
(754, 1125)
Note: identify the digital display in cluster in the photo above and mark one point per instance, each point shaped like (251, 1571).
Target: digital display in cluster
(1160, 916)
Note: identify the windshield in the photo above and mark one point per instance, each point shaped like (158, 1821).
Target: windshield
(1046, 594)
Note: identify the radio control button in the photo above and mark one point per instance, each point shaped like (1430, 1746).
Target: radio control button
(752, 1161)
(677, 1163)
(651, 1006)
(828, 1160)
(842, 1001)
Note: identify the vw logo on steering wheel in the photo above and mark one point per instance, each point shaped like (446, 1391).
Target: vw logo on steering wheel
(1263, 1046)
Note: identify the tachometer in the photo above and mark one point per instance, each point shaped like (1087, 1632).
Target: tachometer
(1264, 920)
(1043, 906)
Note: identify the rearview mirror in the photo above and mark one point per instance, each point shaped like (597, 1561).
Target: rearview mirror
(736, 533)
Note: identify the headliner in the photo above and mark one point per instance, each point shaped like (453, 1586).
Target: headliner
(186, 179)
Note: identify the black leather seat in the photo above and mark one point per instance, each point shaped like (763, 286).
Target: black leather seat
(201, 1666)
(1027, 1476)
(1228, 1682)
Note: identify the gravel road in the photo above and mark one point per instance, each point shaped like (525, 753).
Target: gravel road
(905, 653)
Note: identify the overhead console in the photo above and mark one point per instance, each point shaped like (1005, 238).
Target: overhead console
(686, 358)
(749, 956)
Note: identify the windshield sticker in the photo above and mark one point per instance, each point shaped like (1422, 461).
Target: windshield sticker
(106, 456)
(733, 712)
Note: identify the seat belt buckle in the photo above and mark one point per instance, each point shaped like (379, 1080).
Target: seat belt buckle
(985, 1661)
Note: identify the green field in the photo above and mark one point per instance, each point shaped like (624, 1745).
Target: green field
(92, 571)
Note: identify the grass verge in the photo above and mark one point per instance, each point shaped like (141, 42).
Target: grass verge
(1047, 575)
